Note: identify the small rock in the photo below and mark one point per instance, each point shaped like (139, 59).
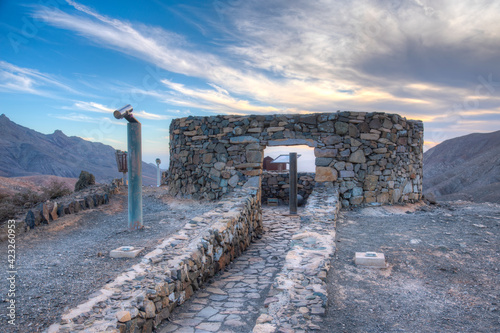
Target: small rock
(123, 316)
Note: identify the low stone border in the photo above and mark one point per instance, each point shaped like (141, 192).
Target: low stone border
(50, 211)
(298, 297)
(139, 299)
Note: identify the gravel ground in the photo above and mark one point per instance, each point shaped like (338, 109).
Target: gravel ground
(442, 275)
(61, 264)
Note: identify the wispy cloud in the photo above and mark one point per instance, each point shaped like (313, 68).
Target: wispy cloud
(416, 58)
(89, 106)
(217, 99)
(83, 118)
(151, 116)
(27, 80)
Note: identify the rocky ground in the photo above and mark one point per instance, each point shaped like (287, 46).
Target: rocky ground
(61, 264)
(442, 275)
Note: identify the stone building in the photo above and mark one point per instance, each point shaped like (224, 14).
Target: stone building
(372, 157)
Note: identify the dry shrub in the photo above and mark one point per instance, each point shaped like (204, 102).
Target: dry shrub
(8, 209)
(55, 190)
(28, 198)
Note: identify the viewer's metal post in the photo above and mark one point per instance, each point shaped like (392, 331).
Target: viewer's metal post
(293, 183)
(158, 172)
(134, 159)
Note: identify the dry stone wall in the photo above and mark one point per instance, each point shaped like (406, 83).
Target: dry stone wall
(277, 185)
(372, 157)
(49, 211)
(142, 297)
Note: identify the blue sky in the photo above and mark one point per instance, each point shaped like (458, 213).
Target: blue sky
(66, 65)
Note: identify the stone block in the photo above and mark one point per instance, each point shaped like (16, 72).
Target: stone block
(254, 156)
(207, 158)
(357, 157)
(383, 198)
(326, 126)
(356, 200)
(123, 316)
(371, 182)
(219, 166)
(341, 128)
(370, 259)
(243, 139)
(346, 174)
(292, 142)
(233, 181)
(326, 174)
(369, 136)
(125, 252)
(323, 161)
(325, 152)
(332, 140)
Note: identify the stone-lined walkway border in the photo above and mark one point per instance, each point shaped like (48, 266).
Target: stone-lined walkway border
(234, 300)
(298, 297)
(142, 297)
(49, 211)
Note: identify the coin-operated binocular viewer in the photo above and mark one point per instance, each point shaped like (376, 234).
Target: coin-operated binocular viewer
(134, 161)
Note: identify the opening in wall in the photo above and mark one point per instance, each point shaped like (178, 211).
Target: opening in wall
(305, 163)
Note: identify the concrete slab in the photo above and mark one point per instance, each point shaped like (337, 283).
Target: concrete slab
(370, 259)
(125, 252)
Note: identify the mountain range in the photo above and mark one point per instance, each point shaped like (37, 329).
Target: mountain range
(26, 152)
(464, 168)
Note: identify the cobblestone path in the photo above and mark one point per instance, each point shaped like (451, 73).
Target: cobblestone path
(232, 301)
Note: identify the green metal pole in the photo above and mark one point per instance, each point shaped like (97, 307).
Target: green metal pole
(134, 159)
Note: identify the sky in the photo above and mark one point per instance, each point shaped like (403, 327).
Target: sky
(67, 65)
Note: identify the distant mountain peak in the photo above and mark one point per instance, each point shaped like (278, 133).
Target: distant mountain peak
(59, 133)
(464, 167)
(26, 152)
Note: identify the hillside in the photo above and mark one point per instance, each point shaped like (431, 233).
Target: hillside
(25, 152)
(466, 168)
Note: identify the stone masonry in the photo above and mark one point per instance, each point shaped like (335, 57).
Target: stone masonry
(277, 185)
(372, 157)
(142, 297)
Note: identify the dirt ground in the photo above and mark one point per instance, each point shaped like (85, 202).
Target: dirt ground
(61, 264)
(442, 275)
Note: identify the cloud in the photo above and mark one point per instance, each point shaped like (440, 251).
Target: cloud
(86, 119)
(420, 59)
(90, 106)
(217, 100)
(26, 80)
(150, 116)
